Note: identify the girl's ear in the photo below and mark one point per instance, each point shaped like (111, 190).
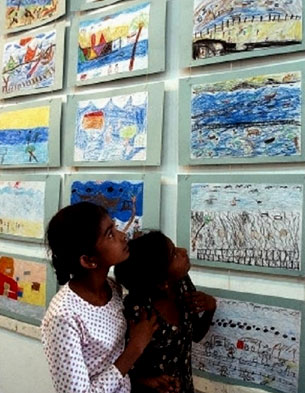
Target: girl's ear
(87, 262)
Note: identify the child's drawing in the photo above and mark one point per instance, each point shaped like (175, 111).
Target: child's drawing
(29, 63)
(27, 13)
(22, 208)
(122, 199)
(225, 27)
(247, 224)
(112, 128)
(24, 136)
(252, 342)
(249, 117)
(22, 287)
(114, 44)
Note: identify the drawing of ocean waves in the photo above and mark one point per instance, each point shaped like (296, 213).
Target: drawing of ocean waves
(247, 122)
(114, 57)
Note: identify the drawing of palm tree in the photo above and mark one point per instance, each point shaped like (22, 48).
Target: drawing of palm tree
(138, 24)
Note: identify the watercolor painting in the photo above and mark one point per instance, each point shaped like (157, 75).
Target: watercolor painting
(24, 136)
(247, 224)
(22, 287)
(257, 116)
(227, 27)
(122, 199)
(113, 44)
(22, 208)
(112, 128)
(25, 14)
(255, 343)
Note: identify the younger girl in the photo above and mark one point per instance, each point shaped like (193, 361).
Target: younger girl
(156, 276)
(84, 328)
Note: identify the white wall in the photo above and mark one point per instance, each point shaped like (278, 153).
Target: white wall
(22, 365)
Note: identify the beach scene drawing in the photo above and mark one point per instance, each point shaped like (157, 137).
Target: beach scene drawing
(247, 224)
(122, 199)
(258, 116)
(22, 208)
(223, 27)
(23, 287)
(28, 12)
(113, 44)
(24, 136)
(112, 128)
(29, 63)
(254, 343)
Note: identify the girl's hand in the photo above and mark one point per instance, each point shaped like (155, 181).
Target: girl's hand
(140, 334)
(200, 301)
(162, 384)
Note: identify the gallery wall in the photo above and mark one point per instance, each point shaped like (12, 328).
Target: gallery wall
(171, 181)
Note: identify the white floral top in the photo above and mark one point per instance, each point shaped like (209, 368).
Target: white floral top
(82, 343)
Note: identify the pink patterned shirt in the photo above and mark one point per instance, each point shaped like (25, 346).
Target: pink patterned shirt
(82, 342)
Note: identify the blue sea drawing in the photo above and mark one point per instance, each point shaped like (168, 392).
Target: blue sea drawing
(24, 146)
(249, 117)
(114, 44)
(112, 129)
(122, 199)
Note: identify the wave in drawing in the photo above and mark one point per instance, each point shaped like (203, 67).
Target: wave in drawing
(112, 128)
(114, 44)
(254, 343)
(225, 27)
(24, 136)
(252, 117)
(27, 12)
(29, 63)
(122, 199)
(247, 224)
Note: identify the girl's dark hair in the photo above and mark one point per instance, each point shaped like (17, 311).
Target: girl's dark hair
(71, 233)
(147, 264)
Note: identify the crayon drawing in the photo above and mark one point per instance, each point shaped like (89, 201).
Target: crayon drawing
(24, 136)
(122, 199)
(247, 224)
(230, 27)
(114, 44)
(29, 63)
(256, 343)
(28, 13)
(22, 208)
(23, 287)
(112, 128)
(249, 117)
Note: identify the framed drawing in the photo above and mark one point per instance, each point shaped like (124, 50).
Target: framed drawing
(132, 200)
(245, 222)
(27, 285)
(217, 31)
(116, 128)
(22, 15)
(30, 134)
(27, 203)
(126, 41)
(255, 341)
(248, 116)
(81, 5)
(32, 62)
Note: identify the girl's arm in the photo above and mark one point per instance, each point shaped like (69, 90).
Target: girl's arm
(63, 349)
(199, 302)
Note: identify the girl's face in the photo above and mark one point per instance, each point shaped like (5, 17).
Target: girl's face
(179, 263)
(111, 246)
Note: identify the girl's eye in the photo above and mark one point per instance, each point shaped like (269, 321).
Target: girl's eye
(110, 235)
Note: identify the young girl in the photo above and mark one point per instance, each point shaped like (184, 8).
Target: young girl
(156, 276)
(83, 331)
